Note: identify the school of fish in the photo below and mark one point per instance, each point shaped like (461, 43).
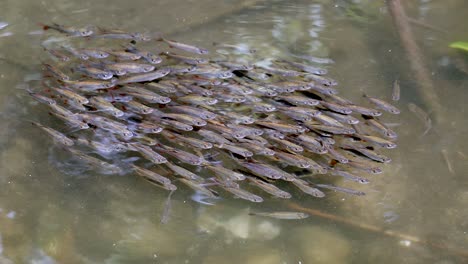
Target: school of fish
(220, 121)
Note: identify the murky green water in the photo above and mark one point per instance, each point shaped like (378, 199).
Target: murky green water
(47, 216)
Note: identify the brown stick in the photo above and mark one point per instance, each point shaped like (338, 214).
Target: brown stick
(421, 73)
(375, 229)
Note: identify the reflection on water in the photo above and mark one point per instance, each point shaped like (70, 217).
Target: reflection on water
(47, 216)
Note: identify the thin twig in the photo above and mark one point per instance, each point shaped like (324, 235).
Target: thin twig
(416, 59)
(376, 229)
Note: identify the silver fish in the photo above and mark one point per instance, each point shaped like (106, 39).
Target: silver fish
(139, 108)
(264, 170)
(340, 189)
(104, 105)
(185, 47)
(186, 59)
(151, 175)
(130, 67)
(364, 110)
(144, 77)
(72, 31)
(306, 188)
(148, 153)
(105, 167)
(282, 215)
(269, 188)
(56, 72)
(243, 194)
(167, 209)
(198, 187)
(383, 105)
(184, 172)
(193, 111)
(226, 173)
(95, 72)
(57, 136)
(396, 91)
(183, 156)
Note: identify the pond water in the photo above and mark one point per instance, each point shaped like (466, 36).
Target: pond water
(415, 212)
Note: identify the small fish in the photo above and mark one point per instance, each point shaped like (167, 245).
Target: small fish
(226, 174)
(364, 166)
(294, 160)
(185, 47)
(95, 72)
(183, 156)
(299, 100)
(381, 104)
(94, 53)
(282, 215)
(124, 55)
(151, 175)
(237, 150)
(119, 34)
(306, 188)
(148, 153)
(56, 72)
(144, 77)
(235, 66)
(348, 176)
(238, 118)
(103, 104)
(191, 120)
(346, 110)
(184, 172)
(72, 31)
(96, 145)
(249, 131)
(176, 124)
(348, 119)
(396, 91)
(322, 80)
(306, 68)
(378, 141)
(139, 108)
(264, 170)
(186, 59)
(59, 55)
(331, 129)
(282, 72)
(269, 188)
(91, 85)
(104, 167)
(364, 110)
(146, 55)
(3, 24)
(340, 189)
(301, 110)
(198, 187)
(421, 114)
(288, 145)
(240, 48)
(371, 154)
(41, 98)
(61, 110)
(162, 87)
(283, 128)
(148, 127)
(57, 136)
(130, 67)
(193, 111)
(336, 155)
(167, 209)
(328, 120)
(180, 69)
(213, 137)
(146, 95)
(243, 194)
(198, 100)
(263, 107)
(71, 120)
(71, 95)
(381, 128)
(194, 142)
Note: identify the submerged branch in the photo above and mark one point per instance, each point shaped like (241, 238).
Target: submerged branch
(425, 85)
